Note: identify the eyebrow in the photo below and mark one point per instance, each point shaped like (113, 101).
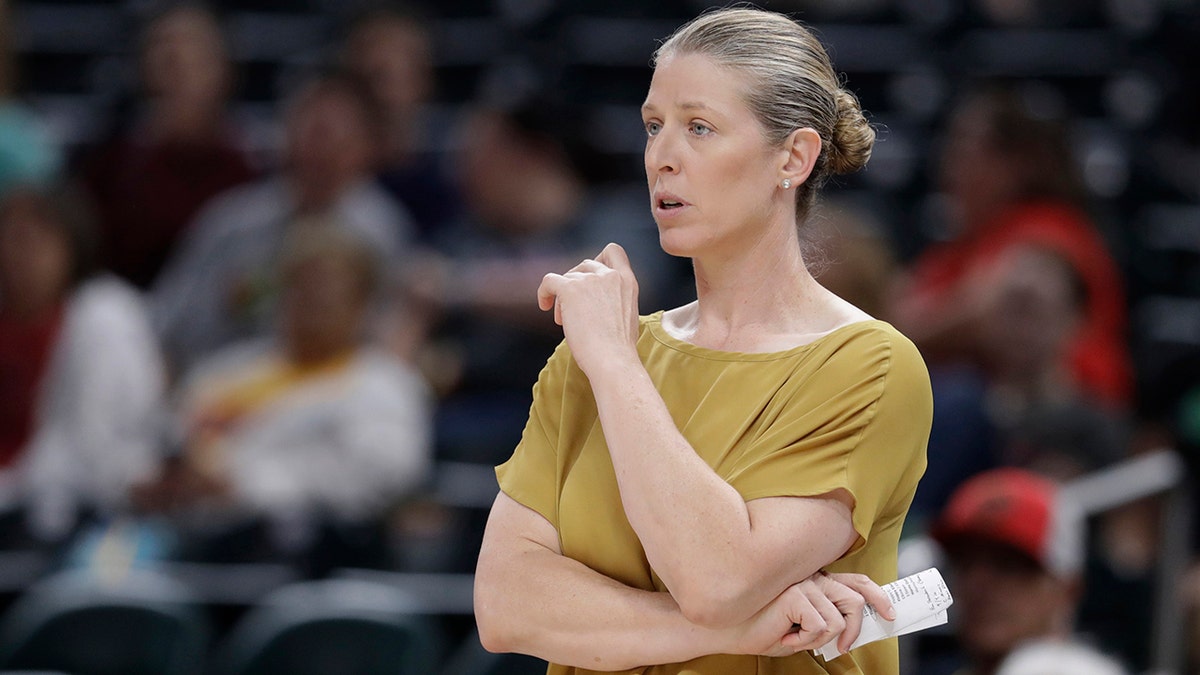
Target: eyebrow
(686, 105)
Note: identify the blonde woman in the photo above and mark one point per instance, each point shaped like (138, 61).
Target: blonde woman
(714, 488)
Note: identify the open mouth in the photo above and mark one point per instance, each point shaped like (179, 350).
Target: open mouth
(669, 204)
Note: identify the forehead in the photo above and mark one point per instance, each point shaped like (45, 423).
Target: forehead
(696, 80)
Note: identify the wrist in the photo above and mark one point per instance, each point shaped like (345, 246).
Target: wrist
(616, 371)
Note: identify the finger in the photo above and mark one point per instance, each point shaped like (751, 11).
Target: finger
(548, 290)
(614, 256)
(809, 623)
(835, 623)
(870, 591)
(850, 605)
(854, 622)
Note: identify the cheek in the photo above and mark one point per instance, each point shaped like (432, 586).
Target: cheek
(749, 173)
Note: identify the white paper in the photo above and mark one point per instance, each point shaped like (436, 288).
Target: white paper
(920, 602)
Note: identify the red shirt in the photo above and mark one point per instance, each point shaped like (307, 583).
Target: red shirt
(25, 351)
(1097, 356)
(146, 193)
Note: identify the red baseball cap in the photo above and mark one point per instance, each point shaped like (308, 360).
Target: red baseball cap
(1020, 509)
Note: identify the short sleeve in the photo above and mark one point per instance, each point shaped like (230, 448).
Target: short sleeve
(859, 423)
(530, 476)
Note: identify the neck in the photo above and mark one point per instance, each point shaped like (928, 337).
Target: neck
(315, 193)
(1028, 387)
(763, 290)
(315, 355)
(401, 136)
(184, 120)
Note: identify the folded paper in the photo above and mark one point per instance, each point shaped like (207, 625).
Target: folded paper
(920, 602)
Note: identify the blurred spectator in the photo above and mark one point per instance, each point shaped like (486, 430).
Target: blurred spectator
(1012, 185)
(1037, 307)
(218, 288)
(27, 153)
(1028, 411)
(1043, 419)
(523, 170)
(311, 428)
(176, 148)
(1057, 658)
(1016, 553)
(390, 49)
(81, 379)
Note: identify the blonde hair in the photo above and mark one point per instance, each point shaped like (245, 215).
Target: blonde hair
(791, 85)
(323, 237)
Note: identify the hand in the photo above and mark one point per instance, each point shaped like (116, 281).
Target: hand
(811, 613)
(596, 304)
(871, 593)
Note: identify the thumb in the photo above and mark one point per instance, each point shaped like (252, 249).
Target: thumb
(547, 291)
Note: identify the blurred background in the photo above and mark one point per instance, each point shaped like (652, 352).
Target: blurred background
(267, 271)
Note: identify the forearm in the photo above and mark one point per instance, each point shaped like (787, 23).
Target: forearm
(721, 558)
(532, 600)
(698, 532)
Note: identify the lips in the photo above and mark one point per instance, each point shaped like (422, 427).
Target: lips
(668, 202)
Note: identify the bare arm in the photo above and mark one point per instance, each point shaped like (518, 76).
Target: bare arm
(531, 599)
(722, 558)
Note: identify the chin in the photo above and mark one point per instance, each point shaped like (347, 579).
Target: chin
(677, 243)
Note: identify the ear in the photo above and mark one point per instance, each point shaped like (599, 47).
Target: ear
(803, 147)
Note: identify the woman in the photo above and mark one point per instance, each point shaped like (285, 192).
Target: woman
(314, 431)
(81, 377)
(172, 149)
(685, 478)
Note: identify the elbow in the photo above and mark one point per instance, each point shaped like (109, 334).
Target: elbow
(492, 636)
(495, 633)
(708, 614)
(712, 605)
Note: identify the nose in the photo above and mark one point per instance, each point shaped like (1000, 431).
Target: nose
(662, 154)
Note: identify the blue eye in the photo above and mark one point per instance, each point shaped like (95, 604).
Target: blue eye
(699, 129)
(652, 128)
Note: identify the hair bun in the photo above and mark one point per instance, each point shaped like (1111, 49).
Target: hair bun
(853, 136)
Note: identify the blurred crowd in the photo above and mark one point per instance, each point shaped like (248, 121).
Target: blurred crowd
(235, 356)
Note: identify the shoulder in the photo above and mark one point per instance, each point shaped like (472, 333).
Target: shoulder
(870, 337)
(1048, 223)
(243, 207)
(380, 371)
(647, 320)
(871, 351)
(370, 208)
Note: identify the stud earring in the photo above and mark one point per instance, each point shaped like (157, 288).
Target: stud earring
(787, 183)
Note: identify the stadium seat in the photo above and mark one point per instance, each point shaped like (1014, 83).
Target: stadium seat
(343, 626)
(81, 622)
